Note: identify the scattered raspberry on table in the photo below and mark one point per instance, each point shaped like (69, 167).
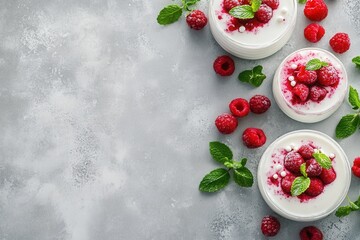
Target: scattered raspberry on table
(314, 32)
(270, 226)
(340, 42)
(196, 20)
(356, 167)
(253, 137)
(224, 65)
(239, 107)
(311, 233)
(315, 10)
(259, 104)
(226, 123)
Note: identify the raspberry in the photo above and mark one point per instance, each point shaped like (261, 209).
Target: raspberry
(316, 187)
(259, 104)
(196, 19)
(328, 175)
(356, 167)
(293, 161)
(226, 123)
(229, 4)
(302, 91)
(315, 10)
(340, 42)
(274, 4)
(313, 168)
(311, 233)
(253, 137)
(286, 183)
(307, 77)
(224, 65)
(270, 226)
(306, 151)
(314, 32)
(239, 107)
(317, 93)
(244, 2)
(328, 76)
(264, 14)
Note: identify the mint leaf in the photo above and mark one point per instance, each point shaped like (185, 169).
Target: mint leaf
(353, 206)
(315, 64)
(254, 77)
(302, 1)
(188, 3)
(343, 211)
(354, 98)
(243, 177)
(347, 125)
(169, 14)
(356, 60)
(303, 169)
(242, 12)
(323, 160)
(243, 162)
(220, 152)
(300, 185)
(215, 180)
(255, 5)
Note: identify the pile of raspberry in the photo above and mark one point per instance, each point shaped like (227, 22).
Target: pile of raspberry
(319, 176)
(262, 16)
(308, 85)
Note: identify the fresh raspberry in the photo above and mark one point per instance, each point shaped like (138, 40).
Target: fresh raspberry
(196, 20)
(340, 42)
(293, 161)
(317, 93)
(239, 107)
(306, 151)
(311, 233)
(356, 167)
(259, 104)
(315, 10)
(328, 76)
(316, 187)
(244, 2)
(224, 65)
(307, 77)
(226, 123)
(302, 91)
(264, 14)
(328, 175)
(229, 4)
(314, 32)
(270, 226)
(253, 137)
(286, 183)
(274, 4)
(313, 168)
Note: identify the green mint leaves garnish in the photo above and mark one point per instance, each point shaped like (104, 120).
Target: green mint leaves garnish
(172, 13)
(351, 122)
(315, 64)
(255, 76)
(302, 1)
(356, 61)
(346, 210)
(219, 178)
(300, 185)
(246, 11)
(323, 160)
(215, 180)
(303, 169)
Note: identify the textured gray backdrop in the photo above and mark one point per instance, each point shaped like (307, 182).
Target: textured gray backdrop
(105, 119)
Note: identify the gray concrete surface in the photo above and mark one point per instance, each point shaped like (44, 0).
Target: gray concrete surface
(105, 119)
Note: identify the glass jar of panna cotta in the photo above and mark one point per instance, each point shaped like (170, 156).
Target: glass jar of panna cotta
(251, 39)
(320, 103)
(272, 171)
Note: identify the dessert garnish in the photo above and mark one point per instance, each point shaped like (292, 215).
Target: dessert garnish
(254, 76)
(356, 61)
(246, 11)
(351, 122)
(315, 64)
(220, 177)
(173, 12)
(346, 210)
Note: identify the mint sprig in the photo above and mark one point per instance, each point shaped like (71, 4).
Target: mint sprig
(245, 11)
(346, 210)
(302, 1)
(173, 12)
(301, 183)
(323, 160)
(219, 178)
(356, 61)
(254, 77)
(315, 64)
(349, 123)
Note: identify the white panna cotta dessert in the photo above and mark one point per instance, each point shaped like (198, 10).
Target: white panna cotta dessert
(310, 95)
(279, 167)
(259, 37)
